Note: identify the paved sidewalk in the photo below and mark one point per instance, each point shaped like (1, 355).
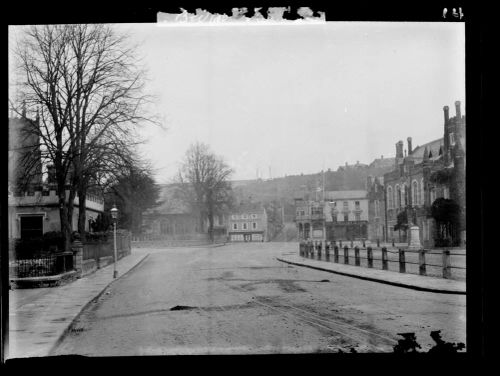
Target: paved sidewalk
(38, 318)
(412, 281)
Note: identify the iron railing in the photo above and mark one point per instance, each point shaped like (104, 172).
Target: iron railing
(42, 266)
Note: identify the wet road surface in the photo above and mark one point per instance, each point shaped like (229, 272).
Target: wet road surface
(238, 299)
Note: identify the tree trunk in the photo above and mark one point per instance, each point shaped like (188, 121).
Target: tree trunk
(66, 226)
(211, 226)
(82, 212)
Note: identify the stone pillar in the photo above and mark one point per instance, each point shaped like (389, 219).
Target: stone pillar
(402, 262)
(356, 256)
(369, 255)
(77, 248)
(414, 238)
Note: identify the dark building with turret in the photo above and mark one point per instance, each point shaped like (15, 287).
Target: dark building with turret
(427, 188)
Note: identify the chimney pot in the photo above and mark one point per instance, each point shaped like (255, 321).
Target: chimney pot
(446, 110)
(409, 146)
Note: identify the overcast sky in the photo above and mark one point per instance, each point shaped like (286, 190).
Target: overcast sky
(298, 99)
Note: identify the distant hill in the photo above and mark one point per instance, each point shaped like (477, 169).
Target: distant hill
(283, 190)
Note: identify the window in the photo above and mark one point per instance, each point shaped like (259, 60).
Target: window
(357, 216)
(452, 139)
(422, 193)
(415, 195)
(346, 205)
(254, 225)
(245, 226)
(235, 226)
(390, 198)
(346, 218)
(357, 204)
(31, 226)
(376, 207)
(398, 196)
(446, 192)
(433, 194)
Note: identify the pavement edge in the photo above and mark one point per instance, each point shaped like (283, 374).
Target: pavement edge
(86, 305)
(412, 287)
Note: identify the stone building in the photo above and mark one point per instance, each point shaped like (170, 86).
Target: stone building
(341, 215)
(435, 170)
(33, 202)
(248, 222)
(376, 208)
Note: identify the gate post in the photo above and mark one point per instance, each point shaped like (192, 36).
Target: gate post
(77, 248)
(369, 252)
(335, 254)
(356, 256)
(421, 262)
(346, 255)
(384, 258)
(402, 264)
(327, 251)
(446, 264)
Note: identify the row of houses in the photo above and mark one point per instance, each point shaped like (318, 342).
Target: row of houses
(421, 193)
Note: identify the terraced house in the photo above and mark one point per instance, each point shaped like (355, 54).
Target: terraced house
(427, 188)
(248, 223)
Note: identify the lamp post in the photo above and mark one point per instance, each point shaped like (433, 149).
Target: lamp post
(114, 215)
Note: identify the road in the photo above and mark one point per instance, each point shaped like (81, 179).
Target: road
(238, 299)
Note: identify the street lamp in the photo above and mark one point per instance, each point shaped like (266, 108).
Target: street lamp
(114, 215)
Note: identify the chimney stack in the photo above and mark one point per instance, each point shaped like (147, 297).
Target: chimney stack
(446, 110)
(409, 145)
(399, 149)
(457, 109)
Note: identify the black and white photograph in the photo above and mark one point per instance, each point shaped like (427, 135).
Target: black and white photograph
(237, 184)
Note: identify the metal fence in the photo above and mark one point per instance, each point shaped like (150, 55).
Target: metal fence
(42, 266)
(445, 263)
(99, 249)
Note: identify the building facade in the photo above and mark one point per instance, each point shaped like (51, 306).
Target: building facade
(424, 177)
(341, 215)
(376, 208)
(248, 223)
(34, 203)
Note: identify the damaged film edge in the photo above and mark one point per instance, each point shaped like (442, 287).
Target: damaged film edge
(275, 16)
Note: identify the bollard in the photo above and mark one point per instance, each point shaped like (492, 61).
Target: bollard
(446, 264)
(402, 263)
(369, 252)
(346, 255)
(356, 256)
(336, 254)
(421, 262)
(378, 242)
(384, 258)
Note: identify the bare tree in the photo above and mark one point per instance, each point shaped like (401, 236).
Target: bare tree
(86, 85)
(204, 181)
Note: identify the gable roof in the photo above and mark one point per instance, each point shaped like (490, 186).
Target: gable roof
(433, 147)
(248, 207)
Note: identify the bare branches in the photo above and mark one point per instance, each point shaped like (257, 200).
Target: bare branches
(88, 90)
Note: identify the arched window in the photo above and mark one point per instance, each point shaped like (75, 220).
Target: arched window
(398, 196)
(390, 198)
(422, 192)
(415, 195)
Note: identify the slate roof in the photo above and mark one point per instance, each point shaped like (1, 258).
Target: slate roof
(345, 195)
(433, 146)
(248, 207)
